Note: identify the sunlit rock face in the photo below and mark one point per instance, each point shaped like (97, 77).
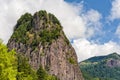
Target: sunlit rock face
(40, 38)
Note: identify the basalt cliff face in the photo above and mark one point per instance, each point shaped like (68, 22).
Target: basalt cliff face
(40, 38)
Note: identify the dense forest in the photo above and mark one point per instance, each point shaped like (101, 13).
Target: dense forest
(101, 68)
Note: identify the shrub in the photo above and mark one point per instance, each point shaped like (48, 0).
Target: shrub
(71, 60)
(54, 19)
(25, 72)
(43, 75)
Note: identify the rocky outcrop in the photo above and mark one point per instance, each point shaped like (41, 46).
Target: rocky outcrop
(41, 39)
(113, 63)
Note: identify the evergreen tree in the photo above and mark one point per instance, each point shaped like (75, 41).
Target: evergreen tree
(25, 72)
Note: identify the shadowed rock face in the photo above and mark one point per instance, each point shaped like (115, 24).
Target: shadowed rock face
(113, 60)
(40, 38)
(113, 63)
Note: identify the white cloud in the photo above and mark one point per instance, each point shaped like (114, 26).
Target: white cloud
(87, 49)
(115, 10)
(76, 24)
(92, 16)
(10, 11)
(92, 22)
(118, 31)
(68, 14)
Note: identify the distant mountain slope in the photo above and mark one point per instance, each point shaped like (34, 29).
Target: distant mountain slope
(101, 67)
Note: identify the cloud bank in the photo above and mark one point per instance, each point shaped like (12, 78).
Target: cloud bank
(75, 26)
(10, 11)
(78, 25)
(87, 49)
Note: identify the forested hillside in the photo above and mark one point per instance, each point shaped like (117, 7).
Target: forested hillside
(101, 67)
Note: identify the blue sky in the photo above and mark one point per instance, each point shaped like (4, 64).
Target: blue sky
(103, 7)
(110, 31)
(92, 26)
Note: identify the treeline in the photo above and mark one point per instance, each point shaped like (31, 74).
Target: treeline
(100, 71)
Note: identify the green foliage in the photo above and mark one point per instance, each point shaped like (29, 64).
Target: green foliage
(25, 72)
(66, 40)
(43, 75)
(24, 18)
(42, 54)
(16, 67)
(24, 31)
(8, 69)
(71, 60)
(20, 33)
(96, 68)
(43, 14)
(47, 36)
(114, 55)
(23, 25)
(12, 68)
(96, 59)
(53, 19)
(1, 41)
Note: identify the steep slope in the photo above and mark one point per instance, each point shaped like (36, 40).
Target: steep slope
(40, 39)
(101, 67)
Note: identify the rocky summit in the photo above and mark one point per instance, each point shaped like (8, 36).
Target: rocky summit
(41, 40)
